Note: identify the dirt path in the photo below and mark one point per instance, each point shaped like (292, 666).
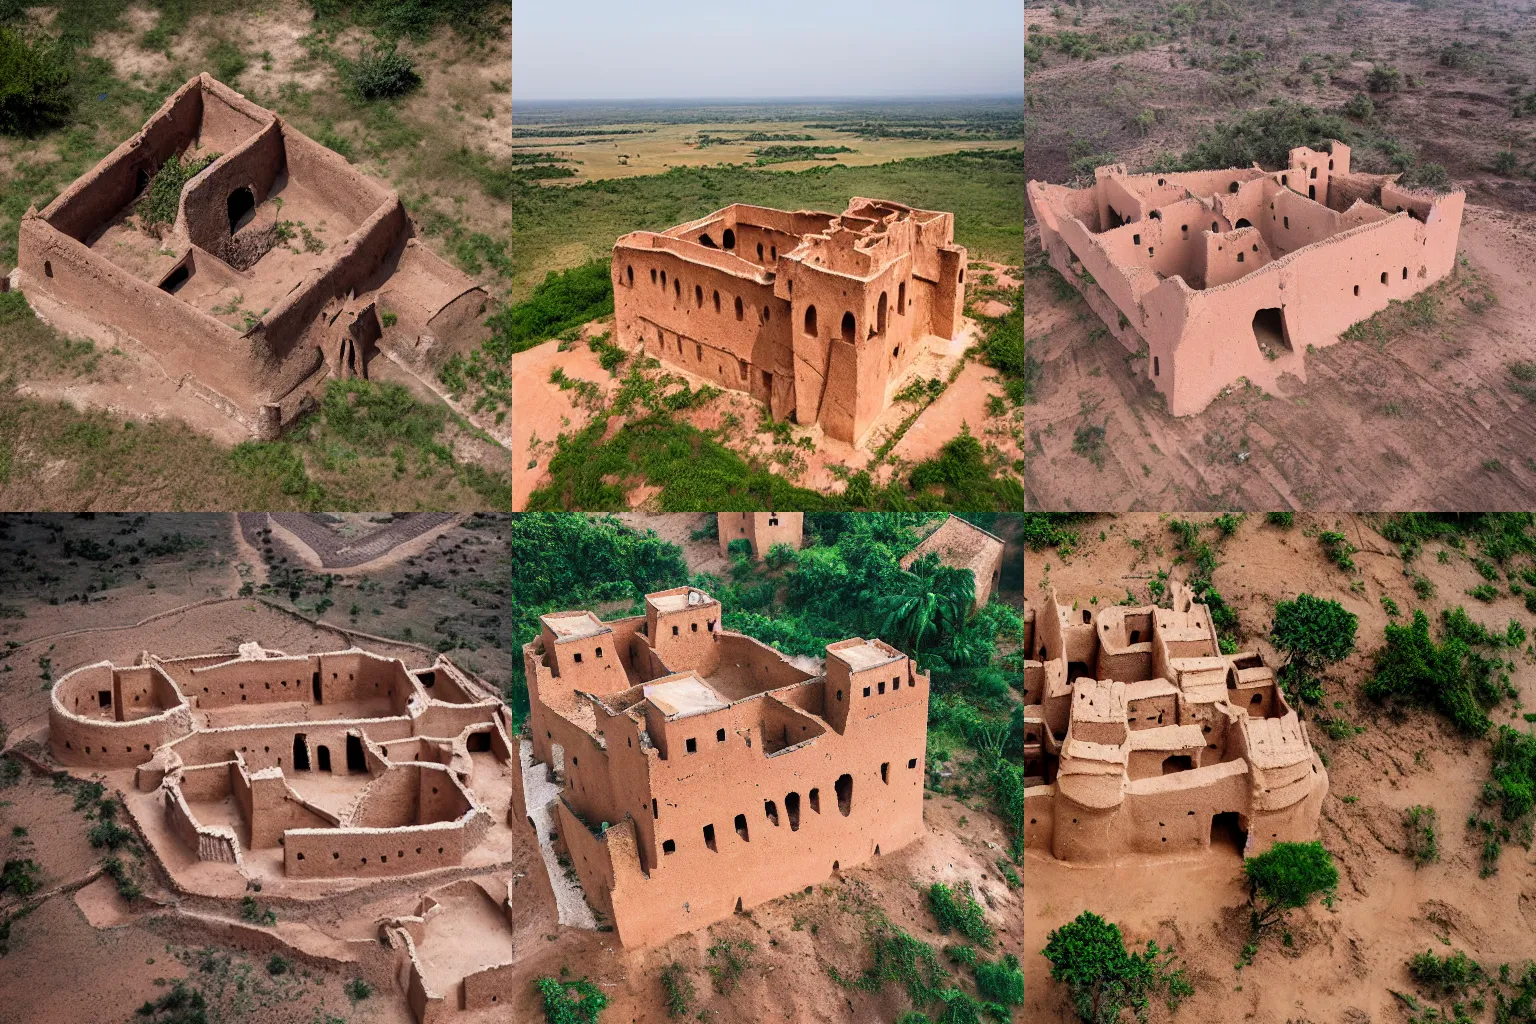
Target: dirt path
(1426, 420)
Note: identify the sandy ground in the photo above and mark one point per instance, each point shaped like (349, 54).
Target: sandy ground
(1415, 423)
(1351, 956)
(544, 412)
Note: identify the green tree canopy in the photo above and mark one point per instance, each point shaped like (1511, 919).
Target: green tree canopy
(1313, 633)
(1288, 876)
(1088, 955)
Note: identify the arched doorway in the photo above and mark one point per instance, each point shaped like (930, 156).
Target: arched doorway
(241, 204)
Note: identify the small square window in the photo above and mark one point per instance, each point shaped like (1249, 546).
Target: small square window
(669, 846)
(866, 691)
(882, 686)
(911, 762)
(674, 631)
(692, 745)
(720, 735)
(578, 657)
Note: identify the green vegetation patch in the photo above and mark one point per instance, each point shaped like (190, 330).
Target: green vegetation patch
(35, 91)
(1413, 670)
(1103, 977)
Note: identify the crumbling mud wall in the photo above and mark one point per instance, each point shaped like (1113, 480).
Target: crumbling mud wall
(1218, 275)
(89, 261)
(814, 314)
(706, 773)
(1142, 737)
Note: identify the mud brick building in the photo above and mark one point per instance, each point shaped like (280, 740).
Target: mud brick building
(761, 529)
(216, 300)
(314, 766)
(1140, 736)
(1216, 275)
(815, 314)
(704, 772)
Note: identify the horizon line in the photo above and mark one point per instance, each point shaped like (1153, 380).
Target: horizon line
(747, 100)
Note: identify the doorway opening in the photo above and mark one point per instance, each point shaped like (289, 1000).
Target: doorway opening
(300, 752)
(241, 204)
(355, 760)
(323, 756)
(1269, 329)
(1227, 831)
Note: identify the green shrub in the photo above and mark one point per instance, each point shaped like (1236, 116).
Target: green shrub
(381, 74)
(562, 301)
(1285, 877)
(1338, 549)
(957, 910)
(357, 990)
(1360, 107)
(571, 1002)
(1001, 981)
(20, 877)
(1511, 784)
(35, 92)
(1423, 846)
(157, 210)
(1284, 520)
(1089, 956)
(728, 961)
(1313, 633)
(1452, 678)
(1433, 177)
(1383, 78)
(278, 964)
(1446, 976)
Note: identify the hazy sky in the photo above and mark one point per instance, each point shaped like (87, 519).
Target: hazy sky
(755, 49)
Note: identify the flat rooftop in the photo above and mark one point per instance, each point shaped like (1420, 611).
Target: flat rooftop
(676, 602)
(685, 696)
(869, 654)
(574, 625)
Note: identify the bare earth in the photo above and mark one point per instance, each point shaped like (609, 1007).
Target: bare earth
(1415, 423)
(1344, 962)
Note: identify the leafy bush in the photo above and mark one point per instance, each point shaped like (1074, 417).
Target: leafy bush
(1452, 678)
(1449, 975)
(157, 210)
(1001, 981)
(779, 556)
(278, 964)
(1267, 134)
(1383, 78)
(1088, 955)
(898, 957)
(415, 18)
(357, 990)
(1360, 107)
(957, 910)
(20, 877)
(1433, 177)
(1313, 633)
(1512, 779)
(34, 85)
(1286, 877)
(571, 1002)
(381, 74)
(1338, 549)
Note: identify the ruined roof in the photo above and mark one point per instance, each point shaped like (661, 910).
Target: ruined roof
(1098, 700)
(684, 696)
(958, 542)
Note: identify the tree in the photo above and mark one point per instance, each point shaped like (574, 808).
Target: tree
(1288, 876)
(1089, 956)
(1313, 633)
(928, 606)
(34, 85)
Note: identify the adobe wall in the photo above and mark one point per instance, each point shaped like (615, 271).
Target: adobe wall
(254, 163)
(267, 746)
(679, 324)
(87, 742)
(109, 186)
(371, 852)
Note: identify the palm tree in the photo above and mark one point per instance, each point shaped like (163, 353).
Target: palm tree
(928, 605)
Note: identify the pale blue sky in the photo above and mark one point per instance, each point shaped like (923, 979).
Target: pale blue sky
(765, 49)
